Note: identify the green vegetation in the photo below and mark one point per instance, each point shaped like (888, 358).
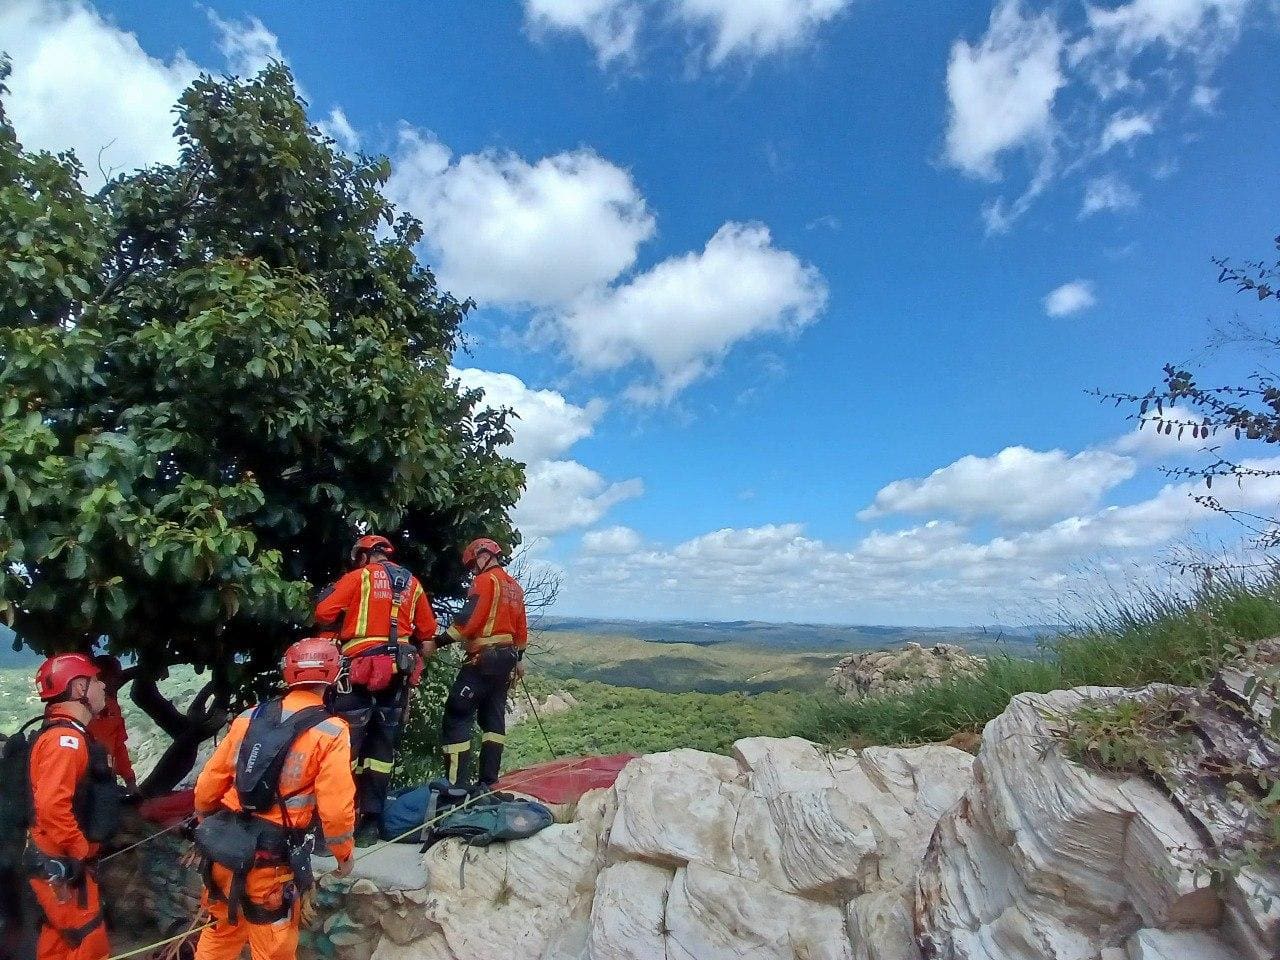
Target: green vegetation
(678, 667)
(1153, 638)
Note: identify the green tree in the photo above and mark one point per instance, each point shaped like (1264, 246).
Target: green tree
(214, 374)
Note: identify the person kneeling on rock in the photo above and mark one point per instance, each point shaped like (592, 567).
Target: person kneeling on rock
(284, 762)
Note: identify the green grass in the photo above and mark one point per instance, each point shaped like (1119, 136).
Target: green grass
(1154, 638)
(678, 667)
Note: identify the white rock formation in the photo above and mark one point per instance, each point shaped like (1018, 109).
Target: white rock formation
(1045, 859)
(879, 672)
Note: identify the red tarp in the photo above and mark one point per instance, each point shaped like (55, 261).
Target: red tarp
(168, 808)
(564, 781)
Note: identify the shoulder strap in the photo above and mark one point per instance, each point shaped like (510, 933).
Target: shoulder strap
(262, 752)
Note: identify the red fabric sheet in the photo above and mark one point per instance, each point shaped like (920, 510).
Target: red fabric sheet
(169, 808)
(564, 781)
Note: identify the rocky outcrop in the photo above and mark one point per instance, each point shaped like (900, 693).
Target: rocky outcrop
(518, 707)
(882, 672)
(1046, 859)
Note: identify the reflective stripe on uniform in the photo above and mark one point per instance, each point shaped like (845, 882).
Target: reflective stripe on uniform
(454, 752)
(300, 801)
(334, 728)
(497, 640)
(493, 608)
(357, 644)
(377, 766)
(340, 838)
(362, 614)
(488, 737)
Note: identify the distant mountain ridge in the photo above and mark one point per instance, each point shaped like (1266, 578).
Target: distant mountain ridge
(795, 636)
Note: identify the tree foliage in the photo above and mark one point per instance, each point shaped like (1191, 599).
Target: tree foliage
(213, 374)
(1184, 406)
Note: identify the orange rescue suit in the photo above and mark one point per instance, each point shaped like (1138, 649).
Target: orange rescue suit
(59, 761)
(357, 610)
(494, 614)
(315, 782)
(108, 729)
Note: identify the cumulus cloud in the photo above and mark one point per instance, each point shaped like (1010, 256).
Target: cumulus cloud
(720, 29)
(247, 44)
(1146, 441)
(610, 26)
(1061, 97)
(1016, 486)
(1107, 192)
(1070, 298)
(507, 231)
(1125, 126)
(778, 571)
(547, 423)
(562, 495)
(684, 314)
(80, 82)
(1002, 90)
(338, 128)
(612, 541)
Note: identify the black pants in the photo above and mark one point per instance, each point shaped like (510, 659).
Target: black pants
(479, 692)
(375, 719)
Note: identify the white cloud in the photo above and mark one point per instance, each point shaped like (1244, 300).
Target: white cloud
(1070, 298)
(1002, 91)
(756, 28)
(1062, 98)
(684, 314)
(610, 26)
(1017, 485)
(562, 495)
(934, 570)
(548, 425)
(1147, 441)
(1126, 126)
(80, 82)
(612, 541)
(1107, 192)
(721, 29)
(337, 127)
(247, 44)
(507, 231)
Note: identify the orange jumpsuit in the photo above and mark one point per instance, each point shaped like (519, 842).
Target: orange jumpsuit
(59, 761)
(357, 611)
(493, 627)
(108, 729)
(316, 781)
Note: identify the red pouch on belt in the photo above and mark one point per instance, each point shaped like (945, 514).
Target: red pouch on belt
(374, 671)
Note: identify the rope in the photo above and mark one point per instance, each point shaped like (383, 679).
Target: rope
(158, 833)
(534, 709)
(165, 942)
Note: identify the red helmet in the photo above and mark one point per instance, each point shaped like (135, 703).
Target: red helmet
(56, 674)
(476, 547)
(371, 542)
(313, 660)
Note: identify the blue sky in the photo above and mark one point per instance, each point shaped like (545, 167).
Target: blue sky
(749, 267)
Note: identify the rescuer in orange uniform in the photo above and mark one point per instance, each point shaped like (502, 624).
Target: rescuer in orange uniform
(108, 727)
(283, 763)
(382, 617)
(70, 814)
(493, 630)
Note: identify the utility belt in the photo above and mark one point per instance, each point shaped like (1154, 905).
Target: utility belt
(74, 873)
(478, 647)
(240, 842)
(377, 662)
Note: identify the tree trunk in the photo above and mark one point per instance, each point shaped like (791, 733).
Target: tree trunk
(204, 718)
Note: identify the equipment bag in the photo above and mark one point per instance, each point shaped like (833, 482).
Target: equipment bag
(479, 826)
(263, 751)
(15, 794)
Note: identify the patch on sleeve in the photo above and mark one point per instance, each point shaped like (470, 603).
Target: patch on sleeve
(68, 741)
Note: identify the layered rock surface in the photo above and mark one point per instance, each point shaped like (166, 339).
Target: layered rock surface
(880, 672)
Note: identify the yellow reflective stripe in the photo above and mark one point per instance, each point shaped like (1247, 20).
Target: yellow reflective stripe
(362, 643)
(413, 601)
(362, 617)
(493, 608)
(488, 737)
(377, 766)
(454, 752)
(453, 632)
(457, 747)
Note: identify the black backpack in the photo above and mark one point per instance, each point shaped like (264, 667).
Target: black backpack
(15, 794)
(262, 754)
